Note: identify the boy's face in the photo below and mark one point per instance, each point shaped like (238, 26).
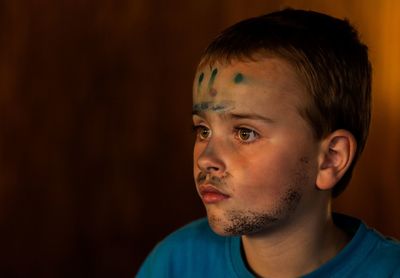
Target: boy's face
(255, 157)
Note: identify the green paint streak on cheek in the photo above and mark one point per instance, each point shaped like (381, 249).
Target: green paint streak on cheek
(239, 78)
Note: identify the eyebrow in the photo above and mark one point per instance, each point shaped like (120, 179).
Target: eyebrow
(240, 116)
(250, 116)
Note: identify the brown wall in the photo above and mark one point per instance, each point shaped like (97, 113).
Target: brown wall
(95, 145)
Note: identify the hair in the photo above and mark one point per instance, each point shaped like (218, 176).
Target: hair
(328, 56)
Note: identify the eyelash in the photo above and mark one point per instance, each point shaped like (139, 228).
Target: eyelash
(238, 129)
(197, 128)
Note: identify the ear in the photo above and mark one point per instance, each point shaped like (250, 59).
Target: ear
(336, 155)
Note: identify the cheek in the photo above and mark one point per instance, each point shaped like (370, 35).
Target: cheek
(268, 173)
(197, 151)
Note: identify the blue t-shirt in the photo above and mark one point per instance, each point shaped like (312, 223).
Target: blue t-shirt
(196, 251)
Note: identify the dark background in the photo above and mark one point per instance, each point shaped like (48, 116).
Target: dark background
(95, 121)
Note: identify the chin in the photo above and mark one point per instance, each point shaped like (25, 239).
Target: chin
(218, 226)
(219, 231)
(239, 223)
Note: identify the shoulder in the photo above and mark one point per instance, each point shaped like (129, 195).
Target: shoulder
(196, 234)
(384, 256)
(368, 254)
(189, 236)
(186, 249)
(387, 250)
(195, 230)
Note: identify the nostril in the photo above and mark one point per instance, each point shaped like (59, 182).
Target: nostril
(212, 169)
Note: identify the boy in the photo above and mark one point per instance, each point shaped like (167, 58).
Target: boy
(281, 110)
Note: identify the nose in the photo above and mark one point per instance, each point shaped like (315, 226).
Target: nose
(210, 160)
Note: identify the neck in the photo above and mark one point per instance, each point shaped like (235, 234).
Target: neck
(297, 249)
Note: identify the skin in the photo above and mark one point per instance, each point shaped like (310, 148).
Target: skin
(254, 146)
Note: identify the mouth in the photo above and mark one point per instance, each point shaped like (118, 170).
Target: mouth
(211, 195)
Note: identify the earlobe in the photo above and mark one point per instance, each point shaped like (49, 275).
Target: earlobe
(336, 155)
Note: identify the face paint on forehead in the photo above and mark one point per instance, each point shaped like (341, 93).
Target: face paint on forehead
(213, 76)
(211, 90)
(201, 77)
(200, 80)
(239, 78)
(219, 107)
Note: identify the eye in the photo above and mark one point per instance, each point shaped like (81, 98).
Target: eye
(246, 135)
(202, 132)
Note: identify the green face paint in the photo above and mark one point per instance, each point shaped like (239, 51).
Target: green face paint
(211, 90)
(199, 81)
(212, 78)
(201, 77)
(213, 75)
(213, 107)
(238, 78)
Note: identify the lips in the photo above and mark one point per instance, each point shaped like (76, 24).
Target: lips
(211, 195)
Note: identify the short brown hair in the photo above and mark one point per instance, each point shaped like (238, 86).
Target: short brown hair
(328, 56)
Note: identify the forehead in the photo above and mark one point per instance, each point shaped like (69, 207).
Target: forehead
(266, 77)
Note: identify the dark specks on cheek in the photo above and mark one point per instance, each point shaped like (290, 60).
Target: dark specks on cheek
(304, 160)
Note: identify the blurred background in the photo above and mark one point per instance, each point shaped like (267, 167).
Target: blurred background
(95, 121)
